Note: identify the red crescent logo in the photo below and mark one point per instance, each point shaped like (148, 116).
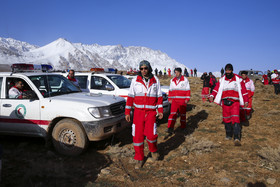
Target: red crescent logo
(19, 110)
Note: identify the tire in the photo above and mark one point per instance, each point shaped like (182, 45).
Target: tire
(69, 138)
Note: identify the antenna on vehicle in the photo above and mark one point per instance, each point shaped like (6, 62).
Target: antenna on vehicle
(49, 90)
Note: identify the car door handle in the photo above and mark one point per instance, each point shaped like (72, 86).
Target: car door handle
(7, 105)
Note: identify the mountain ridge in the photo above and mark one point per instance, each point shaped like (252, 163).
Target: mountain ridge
(63, 54)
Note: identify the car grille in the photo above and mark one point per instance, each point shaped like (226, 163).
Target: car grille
(118, 108)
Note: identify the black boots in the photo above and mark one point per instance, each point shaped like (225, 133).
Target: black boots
(235, 131)
(229, 131)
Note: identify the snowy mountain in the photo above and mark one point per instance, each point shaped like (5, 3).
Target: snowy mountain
(62, 54)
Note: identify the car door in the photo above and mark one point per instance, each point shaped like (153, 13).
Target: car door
(19, 116)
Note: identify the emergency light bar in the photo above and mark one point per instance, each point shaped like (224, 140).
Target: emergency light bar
(46, 67)
(97, 69)
(30, 67)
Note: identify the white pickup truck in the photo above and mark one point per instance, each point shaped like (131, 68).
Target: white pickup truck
(110, 84)
(53, 108)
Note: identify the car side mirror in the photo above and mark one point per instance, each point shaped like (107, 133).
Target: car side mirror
(109, 87)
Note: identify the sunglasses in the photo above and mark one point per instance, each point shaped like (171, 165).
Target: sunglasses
(143, 68)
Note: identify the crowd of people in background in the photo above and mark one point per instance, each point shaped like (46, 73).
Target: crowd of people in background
(166, 72)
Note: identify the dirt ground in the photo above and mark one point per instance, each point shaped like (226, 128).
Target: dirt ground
(199, 156)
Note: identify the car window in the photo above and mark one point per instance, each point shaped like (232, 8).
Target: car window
(82, 81)
(14, 93)
(120, 81)
(98, 83)
(52, 85)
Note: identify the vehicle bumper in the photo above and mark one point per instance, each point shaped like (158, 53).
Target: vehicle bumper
(102, 129)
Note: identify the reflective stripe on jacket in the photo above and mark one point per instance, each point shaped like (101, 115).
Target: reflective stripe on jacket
(142, 96)
(230, 89)
(179, 89)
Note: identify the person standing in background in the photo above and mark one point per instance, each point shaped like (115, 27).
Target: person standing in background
(205, 89)
(169, 72)
(222, 72)
(276, 81)
(195, 72)
(156, 71)
(71, 77)
(265, 79)
(212, 82)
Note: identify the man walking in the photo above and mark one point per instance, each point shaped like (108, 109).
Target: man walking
(245, 113)
(146, 96)
(230, 92)
(179, 96)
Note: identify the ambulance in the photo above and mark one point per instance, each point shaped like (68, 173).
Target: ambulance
(50, 106)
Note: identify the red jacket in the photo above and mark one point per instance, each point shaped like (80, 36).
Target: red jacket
(275, 78)
(179, 90)
(230, 89)
(145, 97)
(250, 87)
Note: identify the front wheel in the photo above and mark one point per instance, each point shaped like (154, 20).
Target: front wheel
(69, 138)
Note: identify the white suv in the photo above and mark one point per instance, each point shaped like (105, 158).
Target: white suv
(110, 84)
(54, 108)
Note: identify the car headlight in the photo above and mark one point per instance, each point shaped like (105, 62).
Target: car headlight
(99, 112)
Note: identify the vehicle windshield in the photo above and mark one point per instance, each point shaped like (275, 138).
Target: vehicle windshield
(120, 81)
(52, 85)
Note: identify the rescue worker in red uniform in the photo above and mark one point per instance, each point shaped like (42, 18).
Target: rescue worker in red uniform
(16, 92)
(71, 77)
(230, 92)
(169, 72)
(276, 81)
(145, 96)
(245, 113)
(179, 96)
(265, 79)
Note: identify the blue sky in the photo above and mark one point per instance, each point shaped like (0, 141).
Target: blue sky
(205, 34)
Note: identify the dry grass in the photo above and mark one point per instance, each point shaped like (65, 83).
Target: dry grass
(271, 157)
(193, 144)
(198, 157)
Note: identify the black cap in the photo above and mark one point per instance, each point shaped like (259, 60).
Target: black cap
(178, 69)
(244, 72)
(229, 67)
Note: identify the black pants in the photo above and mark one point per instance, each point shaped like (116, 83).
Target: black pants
(234, 130)
(276, 88)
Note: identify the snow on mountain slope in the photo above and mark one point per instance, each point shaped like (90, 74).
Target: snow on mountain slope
(63, 54)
